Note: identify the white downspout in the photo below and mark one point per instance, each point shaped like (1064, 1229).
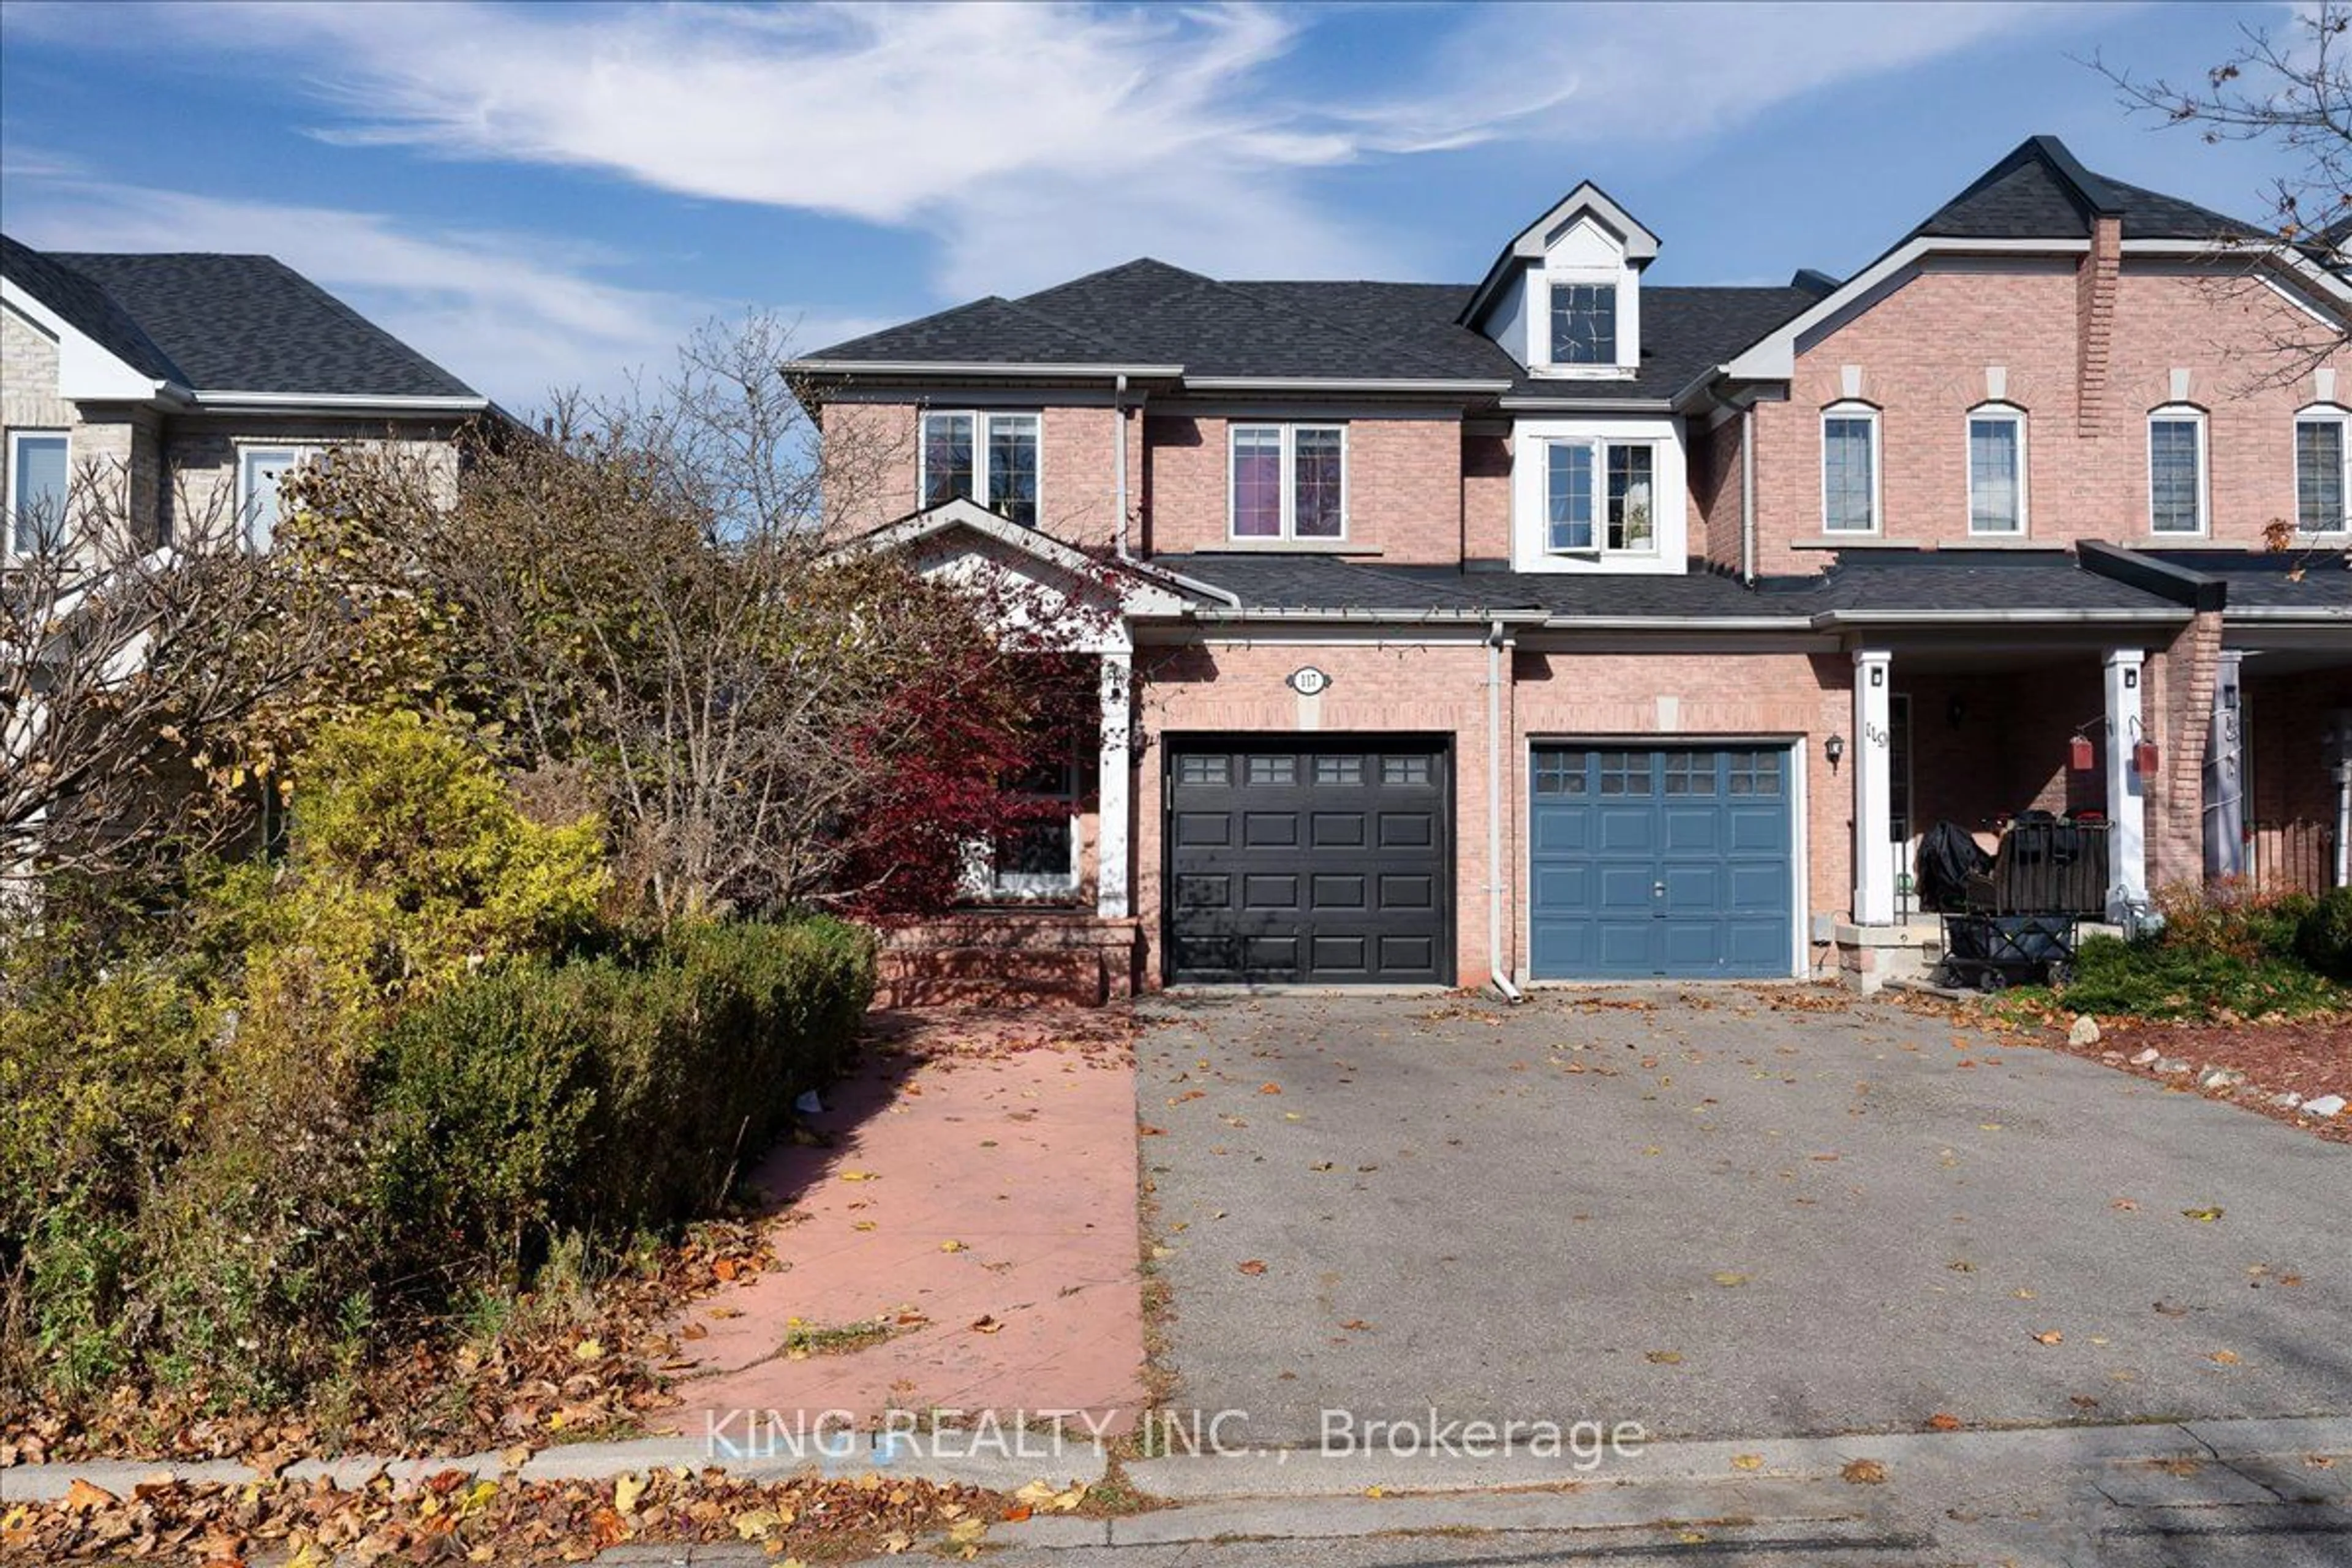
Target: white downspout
(2344, 824)
(1495, 646)
(1119, 461)
(1747, 495)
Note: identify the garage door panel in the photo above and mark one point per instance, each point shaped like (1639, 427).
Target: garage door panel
(1674, 860)
(1270, 892)
(1337, 891)
(1313, 859)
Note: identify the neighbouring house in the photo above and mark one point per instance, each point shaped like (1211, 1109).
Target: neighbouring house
(1560, 627)
(182, 387)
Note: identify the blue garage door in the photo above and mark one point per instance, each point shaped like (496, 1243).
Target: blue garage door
(1671, 861)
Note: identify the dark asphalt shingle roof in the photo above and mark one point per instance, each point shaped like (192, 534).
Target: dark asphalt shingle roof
(2320, 581)
(228, 324)
(1147, 312)
(2041, 191)
(1904, 583)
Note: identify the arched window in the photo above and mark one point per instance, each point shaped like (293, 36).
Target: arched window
(2321, 455)
(2176, 469)
(1996, 469)
(1850, 469)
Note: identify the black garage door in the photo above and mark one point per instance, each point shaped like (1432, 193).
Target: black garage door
(1315, 861)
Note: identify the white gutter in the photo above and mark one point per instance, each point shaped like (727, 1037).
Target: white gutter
(274, 402)
(1998, 617)
(1374, 618)
(969, 368)
(2343, 824)
(1748, 496)
(2323, 615)
(1342, 384)
(1532, 402)
(1499, 645)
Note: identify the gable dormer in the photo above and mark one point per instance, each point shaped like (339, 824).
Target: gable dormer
(1564, 297)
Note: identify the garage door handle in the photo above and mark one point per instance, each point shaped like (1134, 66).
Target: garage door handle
(1658, 889)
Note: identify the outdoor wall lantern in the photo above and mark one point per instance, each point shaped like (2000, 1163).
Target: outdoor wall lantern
(1835, 749)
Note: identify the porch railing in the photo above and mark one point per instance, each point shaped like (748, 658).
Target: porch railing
(2291, 857)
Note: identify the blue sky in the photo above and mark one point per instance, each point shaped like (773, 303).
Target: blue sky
(552, 195)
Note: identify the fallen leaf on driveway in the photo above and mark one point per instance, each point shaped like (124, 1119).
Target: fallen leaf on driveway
(859, 1176)
(1269, 1088)
(1252, 1266)
(1863, 1473)
(2171, 1310)
(2227, 1358)
(2203, 1216)
(1727, 1278)
(1357, 1325)
(2051, 1338)
(1746, 1461)
(1663, 1358)
(986, 1325)
(1943, 1421)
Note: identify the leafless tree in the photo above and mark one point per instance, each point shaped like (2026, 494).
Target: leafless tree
(644, 607)
(2293, 91)
(129, 668)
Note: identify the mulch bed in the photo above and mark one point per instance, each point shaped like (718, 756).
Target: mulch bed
(2310, 1058)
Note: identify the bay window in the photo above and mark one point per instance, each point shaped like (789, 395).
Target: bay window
(1607, 485)
(1997, 471)
(987, 458)
(2175, 470)
(2321, 454)
(1850, 469)
(1289, 482)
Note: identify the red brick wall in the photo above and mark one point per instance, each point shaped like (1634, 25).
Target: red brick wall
(2177, 703)
(1486, 492)
(1404, 486)
(873, 460)
(1923, 352)
(1714, 466)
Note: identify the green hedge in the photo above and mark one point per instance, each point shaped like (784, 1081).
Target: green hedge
(2248, 957)
(607, 1095)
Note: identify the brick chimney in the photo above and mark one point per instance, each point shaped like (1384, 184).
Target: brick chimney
(2094, 321)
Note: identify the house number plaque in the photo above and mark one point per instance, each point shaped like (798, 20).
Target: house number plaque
(1309, 682)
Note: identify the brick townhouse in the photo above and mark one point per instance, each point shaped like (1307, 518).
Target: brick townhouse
(1561, 626)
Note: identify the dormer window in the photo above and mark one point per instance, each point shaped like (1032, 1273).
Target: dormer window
(1584, 324)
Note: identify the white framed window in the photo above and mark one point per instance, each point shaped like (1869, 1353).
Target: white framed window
(1583, 322)
(986, 457)
(39, 475)
(2323, 470)
(2176, 469)
(1039, 859)
(1850, 488)
(1287, 481)
(1601, 497)
(1996, 471)
(260, 472)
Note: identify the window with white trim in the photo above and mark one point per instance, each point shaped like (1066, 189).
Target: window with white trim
(1997, 471)
(1601, 497)
(991, 459)
(1583, 322)
(1850, 469)
(2322, 455)
(2175, 470)
(259, 472)
(39, 470)
(1039, 858)
(1289, 481)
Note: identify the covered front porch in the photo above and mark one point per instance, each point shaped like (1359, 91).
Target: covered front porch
(1950, 726)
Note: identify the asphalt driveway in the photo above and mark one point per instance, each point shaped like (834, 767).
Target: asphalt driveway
(1719, 1213)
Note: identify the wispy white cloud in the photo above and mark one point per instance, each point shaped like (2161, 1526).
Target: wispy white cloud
(1032, 141)
(516, 315)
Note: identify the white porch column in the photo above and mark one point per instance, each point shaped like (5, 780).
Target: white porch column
(1112, 789)
(1873, 802)
(2126, 791)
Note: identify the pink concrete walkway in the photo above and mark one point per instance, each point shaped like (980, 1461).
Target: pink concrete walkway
(979, 1197)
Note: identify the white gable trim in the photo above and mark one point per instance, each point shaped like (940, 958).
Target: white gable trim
(87, 372)
(1640, 245)
(1136, 596)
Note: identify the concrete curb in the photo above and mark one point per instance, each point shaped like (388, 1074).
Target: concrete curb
(1280, 1473)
